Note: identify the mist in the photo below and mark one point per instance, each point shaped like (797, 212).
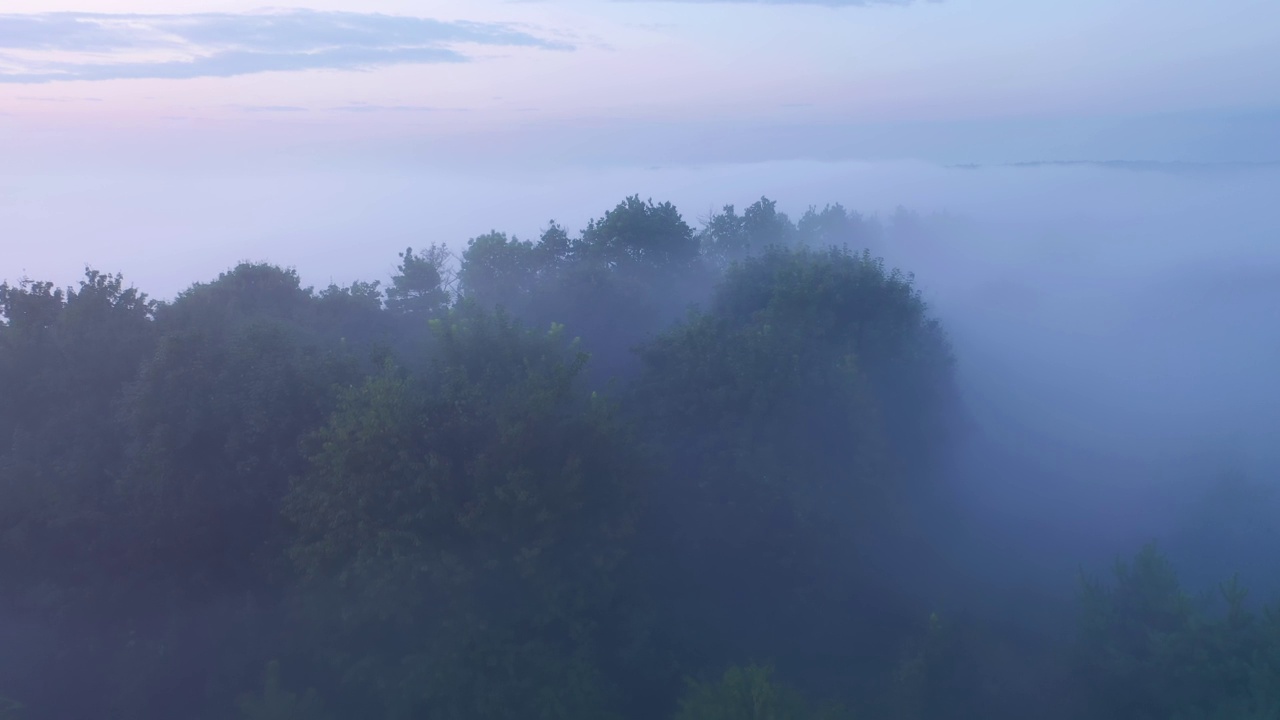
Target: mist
(640, 360)
(1115, 326)
(1114, 329)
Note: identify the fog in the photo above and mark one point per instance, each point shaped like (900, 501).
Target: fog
(1115, 327)
(1117, 336)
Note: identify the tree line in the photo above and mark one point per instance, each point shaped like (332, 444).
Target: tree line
(640, 471)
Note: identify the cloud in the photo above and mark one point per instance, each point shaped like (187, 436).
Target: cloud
(366, 108)
(46, 47)
(29, 98)
(821, 3)
(272, 108)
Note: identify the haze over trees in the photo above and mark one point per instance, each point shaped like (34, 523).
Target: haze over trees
(644, 470)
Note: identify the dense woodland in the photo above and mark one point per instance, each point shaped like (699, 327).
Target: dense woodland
(641, 471)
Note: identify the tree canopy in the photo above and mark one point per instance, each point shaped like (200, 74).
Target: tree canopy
(642, 470)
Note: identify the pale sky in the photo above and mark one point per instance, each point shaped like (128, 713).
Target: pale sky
(170, 139)
(640, 81)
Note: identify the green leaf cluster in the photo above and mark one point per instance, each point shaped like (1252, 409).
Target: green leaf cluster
(750, 693)
(1147, 649)
(467, 520)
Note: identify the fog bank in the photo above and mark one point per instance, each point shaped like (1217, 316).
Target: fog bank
(1116, 328)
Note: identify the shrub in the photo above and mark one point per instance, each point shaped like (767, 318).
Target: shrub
(749, 693)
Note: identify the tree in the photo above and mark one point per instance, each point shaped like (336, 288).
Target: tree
(749, 693)
(774, 411)
(244, 367)
(276, 703)
(850, 304)
(242, 370)
(466, 519)
(502, 272)
(1146, 649)
(728, 236)
(421, 285)
(834, 226)
(355, 315)
(640, 234)
(66, 357)
(626, 276)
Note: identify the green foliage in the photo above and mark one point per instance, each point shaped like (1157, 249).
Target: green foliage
(67, 357)
(65, 360)
(781, 367)
(916, 673)
(639, 233)
(421, 506)
(834, 226)
(421, 286)
(243, 368)
(354, 314)
(468, 518)
(276, 703)
(9, 709)
(729, 237)
(954, 668)
(627, 275)
(773, 411)
(1147, 650)
(507, 273)
(749, 693)
(846, 305)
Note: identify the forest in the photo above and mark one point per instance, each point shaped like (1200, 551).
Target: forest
(639, 471)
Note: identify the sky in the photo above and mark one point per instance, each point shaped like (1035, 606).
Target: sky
(1113, 322)
(170, 144)
(636, 81)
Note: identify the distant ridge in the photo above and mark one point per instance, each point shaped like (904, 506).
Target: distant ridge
(1133, 165)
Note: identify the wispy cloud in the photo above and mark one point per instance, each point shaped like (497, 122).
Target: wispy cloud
(29, 98)
(46, 47)
(365, 108)
(272, 108)
(823, 3)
